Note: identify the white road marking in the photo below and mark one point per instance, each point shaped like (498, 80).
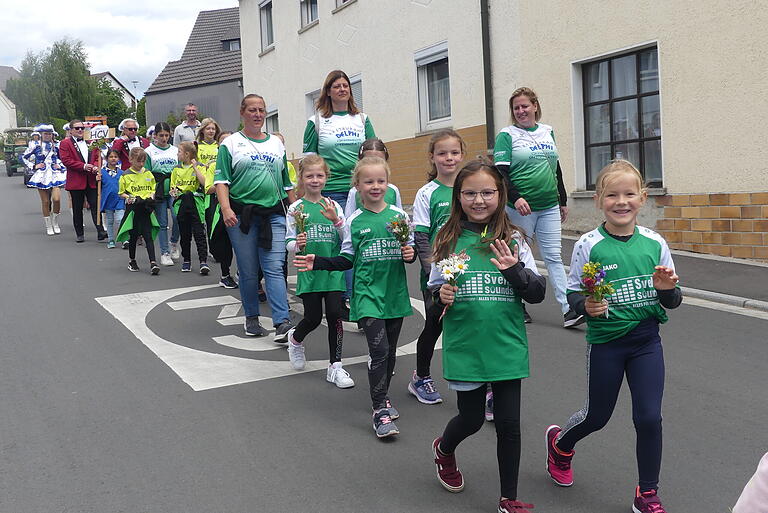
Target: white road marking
(229, 310)
(204, 370)
(721, 307)
(191, 304)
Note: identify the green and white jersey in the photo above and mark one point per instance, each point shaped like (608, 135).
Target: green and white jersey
(256, 170)
(161, 162)
(323, 239)
(381, 287)
(531, 155)
(431, 208)
(484, 336)
(629, 267)
(391, 197)
(337, 140)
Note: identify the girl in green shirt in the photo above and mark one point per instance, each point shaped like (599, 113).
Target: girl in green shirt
(189, 199)
(484, 338)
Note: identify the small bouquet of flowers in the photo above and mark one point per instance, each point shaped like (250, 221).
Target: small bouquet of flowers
(97, 144)
(401, 228)
(301, 219)
(451, 268)
(593, 283)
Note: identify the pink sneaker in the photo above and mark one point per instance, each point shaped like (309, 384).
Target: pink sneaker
(510, 506)
(558, 463)
(447, 472)
(647, 502)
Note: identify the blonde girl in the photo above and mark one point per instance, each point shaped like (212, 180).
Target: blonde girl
(322, 238)
(381, 298)
(188, 193)
(622, 331)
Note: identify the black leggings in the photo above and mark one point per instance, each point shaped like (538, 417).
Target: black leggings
(313, 315)
(142, 227)
(189, 225)
(382, 335)
(425, 346)
(506, 417)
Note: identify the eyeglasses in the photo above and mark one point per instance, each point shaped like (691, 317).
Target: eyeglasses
(487, 194)
(131, 129)
(77, 128)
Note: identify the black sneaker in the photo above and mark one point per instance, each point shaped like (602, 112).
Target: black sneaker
(526, 317)
(383, 425)
(186, 267)
(125, 245)
(133, 266)
(155, 269)
(80, 238)
(253, 327)
(571, 319)
(102, 234)
(204, 269)
(227, 282)
(281, 331)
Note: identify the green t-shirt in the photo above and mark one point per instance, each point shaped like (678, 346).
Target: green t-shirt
(323, 239)
(531, 155)
(431, 208)
(338, 141)
(255, 170)
(484, 336)
(141, 184)
(629, 267)
(381, 287)
(161, 162)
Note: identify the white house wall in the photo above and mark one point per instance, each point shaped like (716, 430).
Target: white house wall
(7, 113)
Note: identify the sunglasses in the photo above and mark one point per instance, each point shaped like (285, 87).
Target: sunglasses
(131, 129)
(77, 128)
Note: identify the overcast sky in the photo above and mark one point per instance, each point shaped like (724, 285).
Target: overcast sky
(133, 39)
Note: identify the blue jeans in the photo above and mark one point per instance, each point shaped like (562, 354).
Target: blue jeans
(250, 257)
(341, 199)
(545, 227)
(161, 212)
(114, 217)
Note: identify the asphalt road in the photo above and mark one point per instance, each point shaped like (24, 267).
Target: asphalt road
(151, 401)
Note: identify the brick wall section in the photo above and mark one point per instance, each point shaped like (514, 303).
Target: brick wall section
(727, 224)
(409, 160)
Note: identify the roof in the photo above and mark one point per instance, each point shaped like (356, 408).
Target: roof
(204, 60)
(105, 73)
(7, 72)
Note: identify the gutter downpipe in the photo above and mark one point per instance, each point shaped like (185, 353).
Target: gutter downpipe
(490, 131)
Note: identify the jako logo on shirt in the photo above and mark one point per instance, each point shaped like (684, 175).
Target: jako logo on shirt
(444, 204)
(365, 230)
(610, 267)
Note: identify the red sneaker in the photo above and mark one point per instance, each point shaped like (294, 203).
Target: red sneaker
(558, 463)
(647, 502)
(447, 472)
(510, 506)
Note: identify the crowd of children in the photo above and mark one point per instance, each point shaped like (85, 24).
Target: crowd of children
(459, 211)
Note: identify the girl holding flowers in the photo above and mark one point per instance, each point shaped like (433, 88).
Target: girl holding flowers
(375, 245)
(484, 338)
(622, 329)
(431, 209)
(316, 225)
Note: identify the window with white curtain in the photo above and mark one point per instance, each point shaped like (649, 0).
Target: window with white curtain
(622, 114)
(434, 87)
(308, 11)
(272, 122)
(267, 31)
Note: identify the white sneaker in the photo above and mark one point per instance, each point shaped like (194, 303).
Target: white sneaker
(175, 251)
(338, 376)
(55, 222)
(48, 225)
(165, 259)
(296, 353)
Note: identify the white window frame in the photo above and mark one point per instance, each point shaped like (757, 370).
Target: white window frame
(577, 105)
(305, 7)
(272, 112)
(265, 43)
(229, 43)
(422, 58)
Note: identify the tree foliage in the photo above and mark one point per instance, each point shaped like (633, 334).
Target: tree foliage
(57, 83)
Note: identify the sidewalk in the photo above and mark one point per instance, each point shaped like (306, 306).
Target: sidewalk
(723, 280)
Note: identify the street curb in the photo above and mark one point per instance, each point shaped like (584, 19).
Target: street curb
(716, 297)
(726, 299)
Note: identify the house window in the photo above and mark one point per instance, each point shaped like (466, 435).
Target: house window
(308, 12)
(272, 122)
(622, 116)
(339, 3)
(231, 44)
(267, 32)
(434, 88)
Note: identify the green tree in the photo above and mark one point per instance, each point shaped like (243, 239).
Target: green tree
(141, 111)
(109, 102)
